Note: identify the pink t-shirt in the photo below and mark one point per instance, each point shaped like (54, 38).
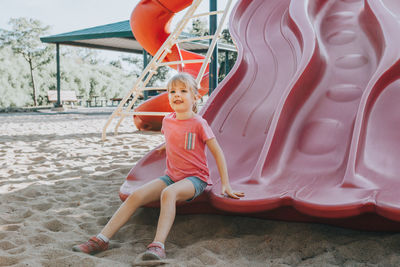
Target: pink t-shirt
(185, 142)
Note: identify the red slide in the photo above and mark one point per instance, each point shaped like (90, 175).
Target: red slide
(150, 22)
(309, 116)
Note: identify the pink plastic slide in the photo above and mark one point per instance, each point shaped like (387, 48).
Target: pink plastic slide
(309, 118)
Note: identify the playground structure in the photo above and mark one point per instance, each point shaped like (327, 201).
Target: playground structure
(164, 46)
(308, 117)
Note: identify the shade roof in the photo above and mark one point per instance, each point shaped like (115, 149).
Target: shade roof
(119, 37)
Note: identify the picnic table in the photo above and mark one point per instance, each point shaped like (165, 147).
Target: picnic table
(66, 96)
(116, 100)
(96, 101)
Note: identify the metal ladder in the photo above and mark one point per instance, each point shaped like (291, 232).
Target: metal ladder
(140, 85)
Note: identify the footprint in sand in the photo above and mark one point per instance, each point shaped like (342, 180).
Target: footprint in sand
(77, 197)
(42, 206)
(39, 159)
(17, 250)
(91, 194)
(65, 212)
(14, 198)
(59, 191)
(58, 164)
(74, 204)
(102, 221)
(6, 245)
(95, 207)
(140, 262)
(134, 159)
(55, 226)
(89, 228)
(40, 239)
(114, 203)
(3, 235)
(10, 227)
(27, 214)
(207, 258)
(8, 261)
(62, 199)
(74, 260)
(102, 168)
(73, 188)
(50, 175)
(83, 185)
(31, 193)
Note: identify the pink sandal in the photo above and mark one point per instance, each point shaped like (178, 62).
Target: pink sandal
(154, 252)
(93, 246)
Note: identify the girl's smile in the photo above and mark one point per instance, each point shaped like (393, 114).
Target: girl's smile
(181, 100)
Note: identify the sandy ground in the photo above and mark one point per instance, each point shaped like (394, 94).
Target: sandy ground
(59, 185)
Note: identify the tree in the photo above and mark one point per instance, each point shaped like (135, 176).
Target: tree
(200, 28)
(24, 39)
(116, 63)
(158, 78)
(226, 38)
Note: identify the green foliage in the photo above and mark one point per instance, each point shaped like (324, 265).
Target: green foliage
(226, 38)
(158, 79)
(81, 76)
(200, 28)
(116, 63)
(14, 86)
(24, 40)
(82, 70)
(88, 79)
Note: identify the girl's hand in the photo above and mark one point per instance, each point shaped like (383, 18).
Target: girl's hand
(226, 189)
(161, 149)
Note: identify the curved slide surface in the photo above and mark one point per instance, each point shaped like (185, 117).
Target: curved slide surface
(308, 118)
(150, 23)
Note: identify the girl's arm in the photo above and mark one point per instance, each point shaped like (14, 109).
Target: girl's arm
(216, 150)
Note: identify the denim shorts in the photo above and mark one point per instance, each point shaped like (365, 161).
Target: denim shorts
(199, 185)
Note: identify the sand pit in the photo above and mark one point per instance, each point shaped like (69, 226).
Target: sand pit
(59, 185)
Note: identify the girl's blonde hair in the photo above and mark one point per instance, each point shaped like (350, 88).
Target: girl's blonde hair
(189, 83)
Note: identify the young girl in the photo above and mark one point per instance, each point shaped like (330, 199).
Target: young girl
(187, 175)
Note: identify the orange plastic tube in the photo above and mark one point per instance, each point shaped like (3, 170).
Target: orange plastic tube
(150, 23)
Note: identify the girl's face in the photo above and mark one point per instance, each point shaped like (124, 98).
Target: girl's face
(181, 99)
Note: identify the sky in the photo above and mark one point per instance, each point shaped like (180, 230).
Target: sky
(70, 15)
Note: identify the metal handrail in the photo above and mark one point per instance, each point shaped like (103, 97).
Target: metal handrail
(182, 62)
(208, 14)
(192, 39)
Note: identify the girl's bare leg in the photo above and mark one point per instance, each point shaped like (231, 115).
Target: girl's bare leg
(179, 191)
(143, 195)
